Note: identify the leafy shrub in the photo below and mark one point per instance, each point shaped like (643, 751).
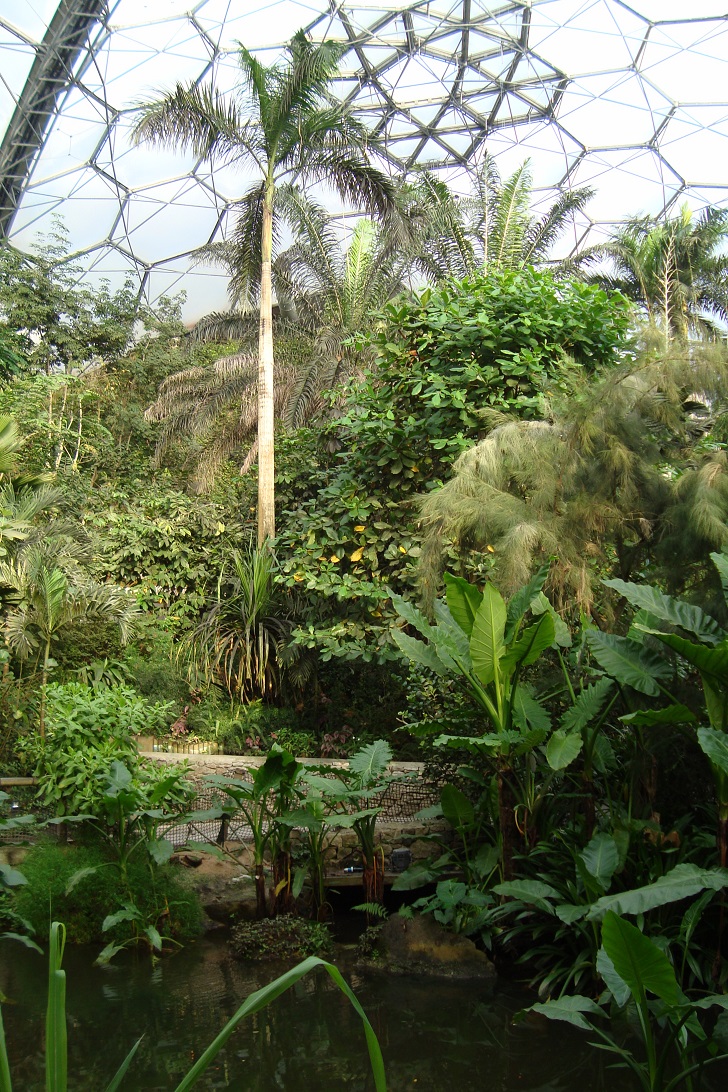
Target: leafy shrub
(157, 892)
(88, 729)
(280, 938)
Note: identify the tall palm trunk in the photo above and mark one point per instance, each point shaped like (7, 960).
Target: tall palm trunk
(266, 464)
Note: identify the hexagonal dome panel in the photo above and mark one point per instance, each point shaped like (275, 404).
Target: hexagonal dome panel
(628, 97)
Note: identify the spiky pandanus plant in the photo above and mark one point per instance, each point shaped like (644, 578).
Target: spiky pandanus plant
(619, 471)
(284, 124)
(235, 645)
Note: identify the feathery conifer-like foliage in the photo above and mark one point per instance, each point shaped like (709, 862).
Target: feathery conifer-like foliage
(621, 470)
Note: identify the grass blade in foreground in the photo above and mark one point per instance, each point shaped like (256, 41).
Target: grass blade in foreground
(56, 1040)
(5, 1083)
(261, 998)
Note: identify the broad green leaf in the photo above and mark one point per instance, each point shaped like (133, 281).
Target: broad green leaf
(637, 961)
(486, 639)
(107, 954)
(587, 706)
(10, 876)
(673, 611)
(154, 938)
(533, 892)
(528, 713)
(412, 616)
(681, 882)
(456, 807)
(370, 762)
(160, 850)
(521, 600)
(533, 641)
(451, 643)
(714, 744)
(562, 748)
(26, 942)
(721, 563)
(568, 1009)
(80, 874)
(127, 913)
(630, 663)
(616, 985)
(569, 912)
(712, 663)
(419, 652)
(562, 633)
(463, 599)
(651, 718)
(601, 858)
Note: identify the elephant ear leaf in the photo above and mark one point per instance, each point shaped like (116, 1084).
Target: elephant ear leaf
(721, 563)
(487, 640)
(714, 744)
(673, 611)
(629, 662)
(521, 600)
(463, 599)
(639, 963)
(371, 761)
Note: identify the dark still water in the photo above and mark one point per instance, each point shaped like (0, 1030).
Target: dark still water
(435, 1037)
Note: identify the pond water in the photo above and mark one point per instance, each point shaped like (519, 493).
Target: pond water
(434, 1036)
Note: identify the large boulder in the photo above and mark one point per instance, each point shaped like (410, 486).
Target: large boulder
(420, 946)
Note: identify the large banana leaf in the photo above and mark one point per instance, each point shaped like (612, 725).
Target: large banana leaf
(638, 962)
(456, 807)
(487, 638)
(629, 662)
(673, 611)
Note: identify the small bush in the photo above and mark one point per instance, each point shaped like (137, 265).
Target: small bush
(157, 892)
(280, 938)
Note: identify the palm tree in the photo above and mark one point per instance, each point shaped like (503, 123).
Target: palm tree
(283, 124)
(326, 291)
(674, 270)
(493, 227)
(24, 495)
(49, 591)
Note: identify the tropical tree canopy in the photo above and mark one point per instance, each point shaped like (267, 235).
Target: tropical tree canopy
(281, 123)
(675, 270)
(492, 228)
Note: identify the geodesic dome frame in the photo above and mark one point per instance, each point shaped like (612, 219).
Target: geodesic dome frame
(626, 97)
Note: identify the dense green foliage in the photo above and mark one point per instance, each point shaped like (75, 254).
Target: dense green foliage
(492, 341)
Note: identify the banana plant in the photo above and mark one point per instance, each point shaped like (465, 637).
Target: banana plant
(486, 642)
(638, 973)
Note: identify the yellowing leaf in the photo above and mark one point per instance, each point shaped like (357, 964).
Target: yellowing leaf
(334, 559)
(298, 577)
(490, 549)
(359, 527)
(356, 556)
(322, 558)
(402, 550)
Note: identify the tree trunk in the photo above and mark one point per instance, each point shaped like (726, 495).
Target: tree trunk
(261, 905)
(266, 463)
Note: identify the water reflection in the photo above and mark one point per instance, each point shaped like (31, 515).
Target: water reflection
(435, 1037)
